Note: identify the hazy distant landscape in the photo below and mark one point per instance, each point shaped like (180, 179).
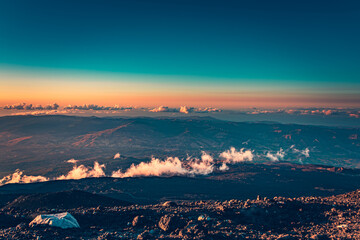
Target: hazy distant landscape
(213, 156)
(42, 145)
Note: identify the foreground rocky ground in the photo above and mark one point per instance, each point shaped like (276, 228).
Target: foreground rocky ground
(334, 217)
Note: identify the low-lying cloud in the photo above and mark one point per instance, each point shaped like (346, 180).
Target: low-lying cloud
(163, 109)
(279, 155)
(96, 107)
(51, 109)
(79, 172)
(19, 177)
(184, 109)
(224, 167)
(355, 113)
(24, 106)
(202, 166)
(305, 152)
(73, 161)
(344, 112)
(171, 166)
(232, 156)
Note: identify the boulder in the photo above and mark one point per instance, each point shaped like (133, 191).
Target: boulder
(61, 220)
(204, 218)
(168, 222)
(138, 221)
(169, 204)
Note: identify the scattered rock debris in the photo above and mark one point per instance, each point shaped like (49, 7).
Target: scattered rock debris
(334, 217)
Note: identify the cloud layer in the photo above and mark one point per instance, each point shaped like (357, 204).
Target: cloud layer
(355, 113)
(184, 109)
(79, 172)
(30, 109)
(279, 155)
(349, 112)
(96, 107)
(24, 106)
(19, 177)
(171, 166)
(232, 156)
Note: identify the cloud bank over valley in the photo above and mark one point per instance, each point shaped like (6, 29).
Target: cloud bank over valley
(171, 166)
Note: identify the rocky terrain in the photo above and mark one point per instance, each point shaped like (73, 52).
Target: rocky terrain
(332, 217)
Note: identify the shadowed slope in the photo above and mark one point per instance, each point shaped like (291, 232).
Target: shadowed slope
(63, 200)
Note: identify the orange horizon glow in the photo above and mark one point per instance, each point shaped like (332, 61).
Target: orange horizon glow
(138, 91)
(177, 101)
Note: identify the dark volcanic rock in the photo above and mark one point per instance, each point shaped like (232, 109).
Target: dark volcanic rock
(7, 220)
(145, 236)
(334, 217)
(169, 222)
(169, 204)
(139, 221)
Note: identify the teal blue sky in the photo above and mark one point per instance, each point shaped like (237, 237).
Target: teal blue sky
(295, 44)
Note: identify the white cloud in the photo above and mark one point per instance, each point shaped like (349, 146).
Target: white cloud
(96, 107)
(203, 166)
(19, 177)
(163, 109)
(73, 161)
(185, 109)
(172, 166)
(79, 172)
(305, 152)
(223, 167)
(24, 106)
(169, 167)
(279, 155)
(233, 156)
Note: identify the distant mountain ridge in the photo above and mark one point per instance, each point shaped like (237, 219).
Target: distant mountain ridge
(42, 144)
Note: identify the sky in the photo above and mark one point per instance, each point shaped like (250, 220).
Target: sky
(227, 54)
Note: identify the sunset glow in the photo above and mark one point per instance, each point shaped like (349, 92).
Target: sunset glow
(74, 53)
